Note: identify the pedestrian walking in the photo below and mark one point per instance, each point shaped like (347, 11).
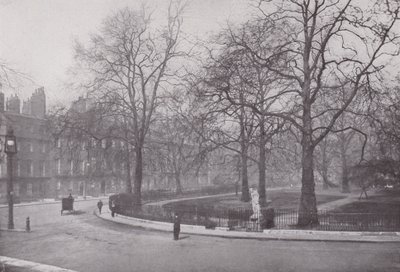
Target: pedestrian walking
(177, 226)
(112, 208)
(100, 205)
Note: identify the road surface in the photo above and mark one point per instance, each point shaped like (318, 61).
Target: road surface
(83, 242)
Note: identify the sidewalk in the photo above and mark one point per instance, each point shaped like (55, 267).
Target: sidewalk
(52, 201)
(290, 235)
(12, 264)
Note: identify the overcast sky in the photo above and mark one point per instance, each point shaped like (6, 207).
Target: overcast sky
(36, 36)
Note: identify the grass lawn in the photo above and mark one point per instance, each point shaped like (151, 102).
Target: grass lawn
(386, 201)
(282, 199)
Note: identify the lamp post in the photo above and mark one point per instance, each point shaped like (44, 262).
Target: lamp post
(10, 148)
(88, 146)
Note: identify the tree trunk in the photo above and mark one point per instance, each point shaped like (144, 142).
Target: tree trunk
(325, 179)
(138, 175)
(345, 176)
(178, 183)
(245, 181)
(308, 214)
(243, 152)
(261, 167)
(128, 181)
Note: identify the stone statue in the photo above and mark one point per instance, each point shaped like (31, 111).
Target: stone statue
(255, 204)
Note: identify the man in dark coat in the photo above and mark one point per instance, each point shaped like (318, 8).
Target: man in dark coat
(177, 226)
(113, 208)
(100, 205)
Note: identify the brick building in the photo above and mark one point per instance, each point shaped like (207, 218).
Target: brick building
(51, 166)
(87, 165)
(32, 163)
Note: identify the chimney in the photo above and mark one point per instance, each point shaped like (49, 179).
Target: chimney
(14, 104)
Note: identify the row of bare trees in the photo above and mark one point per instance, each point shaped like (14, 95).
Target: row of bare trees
(289, 79)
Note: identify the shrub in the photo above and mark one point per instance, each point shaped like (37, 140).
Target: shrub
(209, 224)
(268, 216)
(123, 202)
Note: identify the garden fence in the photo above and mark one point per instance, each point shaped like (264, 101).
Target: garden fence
(243, 219)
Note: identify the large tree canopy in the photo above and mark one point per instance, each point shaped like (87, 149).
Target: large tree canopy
(125, 66)
(325, 49)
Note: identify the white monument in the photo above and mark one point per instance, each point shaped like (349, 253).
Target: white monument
(255, 204)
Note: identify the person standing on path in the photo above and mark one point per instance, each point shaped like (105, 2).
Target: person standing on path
(112, 208)
(100, 205)
(177, 226)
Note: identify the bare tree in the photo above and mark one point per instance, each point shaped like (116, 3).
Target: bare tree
(323, 46)
(127, 64)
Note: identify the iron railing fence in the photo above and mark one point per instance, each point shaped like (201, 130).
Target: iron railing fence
(242, 219)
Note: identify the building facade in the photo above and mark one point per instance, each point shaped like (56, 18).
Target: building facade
(52, 165)
(32, 164)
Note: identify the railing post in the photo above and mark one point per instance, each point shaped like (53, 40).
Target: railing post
(197, 216)
(28, 224)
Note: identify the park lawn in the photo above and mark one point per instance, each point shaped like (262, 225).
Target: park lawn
(276, 199)
(386, 201)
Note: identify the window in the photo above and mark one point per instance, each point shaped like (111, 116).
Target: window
(18, 168)
(71, 167)
(43, 147)
(114, 166)
(112, 143)
(30, 147)
(29, 168)
(58, 143)
(58, 165)
(42, 167)
(16, 189)
(29, 189)
(103, 143)
(92, 142)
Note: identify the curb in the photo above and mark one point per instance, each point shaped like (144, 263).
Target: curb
(30, 266)
(15, 230)
(287, 235)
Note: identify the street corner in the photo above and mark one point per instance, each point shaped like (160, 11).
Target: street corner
(13, 264)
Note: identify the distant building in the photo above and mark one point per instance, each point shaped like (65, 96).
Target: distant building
(33, 162)
(85, 165)
(51, 166)
(13, 104)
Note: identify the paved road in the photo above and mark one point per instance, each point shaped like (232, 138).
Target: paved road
(84, 242)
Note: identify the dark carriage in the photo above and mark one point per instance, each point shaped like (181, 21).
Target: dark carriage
(67, 204)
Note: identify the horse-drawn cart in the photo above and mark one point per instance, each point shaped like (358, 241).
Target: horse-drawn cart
(67, 204)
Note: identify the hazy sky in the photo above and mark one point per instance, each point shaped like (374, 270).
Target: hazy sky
(36, 36)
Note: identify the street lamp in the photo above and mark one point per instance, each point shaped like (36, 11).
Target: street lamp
(88, 146)
(10, 148)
